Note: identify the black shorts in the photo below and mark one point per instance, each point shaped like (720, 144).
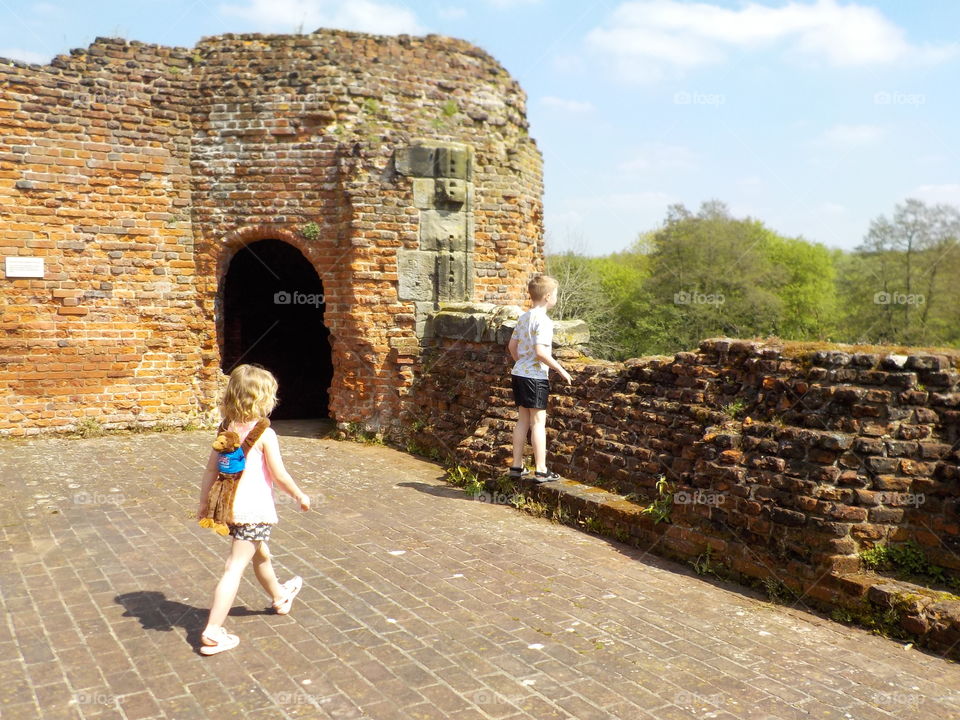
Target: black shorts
(530, 392)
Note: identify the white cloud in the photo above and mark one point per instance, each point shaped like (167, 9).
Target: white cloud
(645, 38)
(359, 15)
(27, 56)
(572, 106)
(933, 194)
(844, 137)
(657, 157)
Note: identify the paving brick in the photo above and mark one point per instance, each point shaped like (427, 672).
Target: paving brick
(134, 633)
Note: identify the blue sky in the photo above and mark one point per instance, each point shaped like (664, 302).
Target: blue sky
(814, 116)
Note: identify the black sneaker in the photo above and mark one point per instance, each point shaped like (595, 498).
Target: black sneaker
(546, 476)
(518, 472)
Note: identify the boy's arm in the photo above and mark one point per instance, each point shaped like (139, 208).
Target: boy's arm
(545, 356)
(271, 452)
(209, 475)
(512, 347)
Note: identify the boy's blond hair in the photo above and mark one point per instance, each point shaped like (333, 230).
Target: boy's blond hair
(251, 394)
(540, 286)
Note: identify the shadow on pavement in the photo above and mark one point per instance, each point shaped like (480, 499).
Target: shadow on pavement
(156, 612)
(316, 428)
(447, 491)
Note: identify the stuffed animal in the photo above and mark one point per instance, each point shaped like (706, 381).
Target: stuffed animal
(232, 457)
(230, 466)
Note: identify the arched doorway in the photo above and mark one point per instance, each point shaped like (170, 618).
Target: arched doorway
(273, 308)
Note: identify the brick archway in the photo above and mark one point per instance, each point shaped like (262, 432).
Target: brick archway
(271, 312)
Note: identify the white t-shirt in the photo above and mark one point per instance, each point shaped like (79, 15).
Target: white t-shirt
(533, 328)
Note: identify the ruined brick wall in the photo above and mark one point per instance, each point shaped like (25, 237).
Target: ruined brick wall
(786, 464)
(138, 172)
(95, 179)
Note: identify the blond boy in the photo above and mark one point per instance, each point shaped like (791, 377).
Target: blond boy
(530, 346)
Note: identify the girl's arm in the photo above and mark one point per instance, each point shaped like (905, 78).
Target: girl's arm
(271, 452)
(512, 347)
(209, 475)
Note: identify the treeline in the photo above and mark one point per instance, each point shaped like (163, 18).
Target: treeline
(708, 274)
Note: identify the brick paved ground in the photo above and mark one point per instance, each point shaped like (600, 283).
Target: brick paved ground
(418, 603)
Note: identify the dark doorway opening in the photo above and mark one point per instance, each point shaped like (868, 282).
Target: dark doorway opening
(273, 315)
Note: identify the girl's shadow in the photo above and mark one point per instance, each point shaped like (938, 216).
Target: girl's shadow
(155, 612)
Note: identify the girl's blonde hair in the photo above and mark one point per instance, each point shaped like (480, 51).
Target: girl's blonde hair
(251, 394)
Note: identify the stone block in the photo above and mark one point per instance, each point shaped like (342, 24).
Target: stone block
(424, 191)
(470, 326)
(570, 332)
(443, 230)
(417, 275)
(451, 192)
(454, 276)
(453, 162)
(416, 160)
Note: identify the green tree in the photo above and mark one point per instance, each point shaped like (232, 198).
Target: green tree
(582, 296)
(900, 285)
(711, 274)
(808, 293)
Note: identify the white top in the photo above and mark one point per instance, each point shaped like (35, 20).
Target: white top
(533, 328)
(253, 502)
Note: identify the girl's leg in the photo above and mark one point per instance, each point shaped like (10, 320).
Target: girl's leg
(240, 553)
(263, 567)
(520, 435)
(538, 438)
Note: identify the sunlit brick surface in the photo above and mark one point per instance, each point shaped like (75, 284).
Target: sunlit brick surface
(418, 603)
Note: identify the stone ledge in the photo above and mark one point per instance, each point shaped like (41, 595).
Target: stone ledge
(487, 322)
(926, 617)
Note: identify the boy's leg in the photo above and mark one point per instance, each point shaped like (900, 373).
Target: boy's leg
(263, 568)
(240, 553)
(538, 438)
(520, 435)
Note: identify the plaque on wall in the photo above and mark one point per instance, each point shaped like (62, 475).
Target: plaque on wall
(24, 267)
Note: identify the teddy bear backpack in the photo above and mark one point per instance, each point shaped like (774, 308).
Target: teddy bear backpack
(230, 467)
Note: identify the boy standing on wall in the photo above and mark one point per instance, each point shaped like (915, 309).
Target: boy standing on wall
(531, 348)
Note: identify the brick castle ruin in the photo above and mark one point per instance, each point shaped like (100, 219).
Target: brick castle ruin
(300, 201)
(358, 213)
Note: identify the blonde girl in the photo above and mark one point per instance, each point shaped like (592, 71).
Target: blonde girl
(250, 396)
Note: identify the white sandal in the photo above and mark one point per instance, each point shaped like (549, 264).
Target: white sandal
(291, 587)
(221, 641)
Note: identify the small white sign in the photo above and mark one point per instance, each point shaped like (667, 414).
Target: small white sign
(24, 267)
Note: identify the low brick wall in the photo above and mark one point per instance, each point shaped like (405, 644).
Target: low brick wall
(785, 463)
